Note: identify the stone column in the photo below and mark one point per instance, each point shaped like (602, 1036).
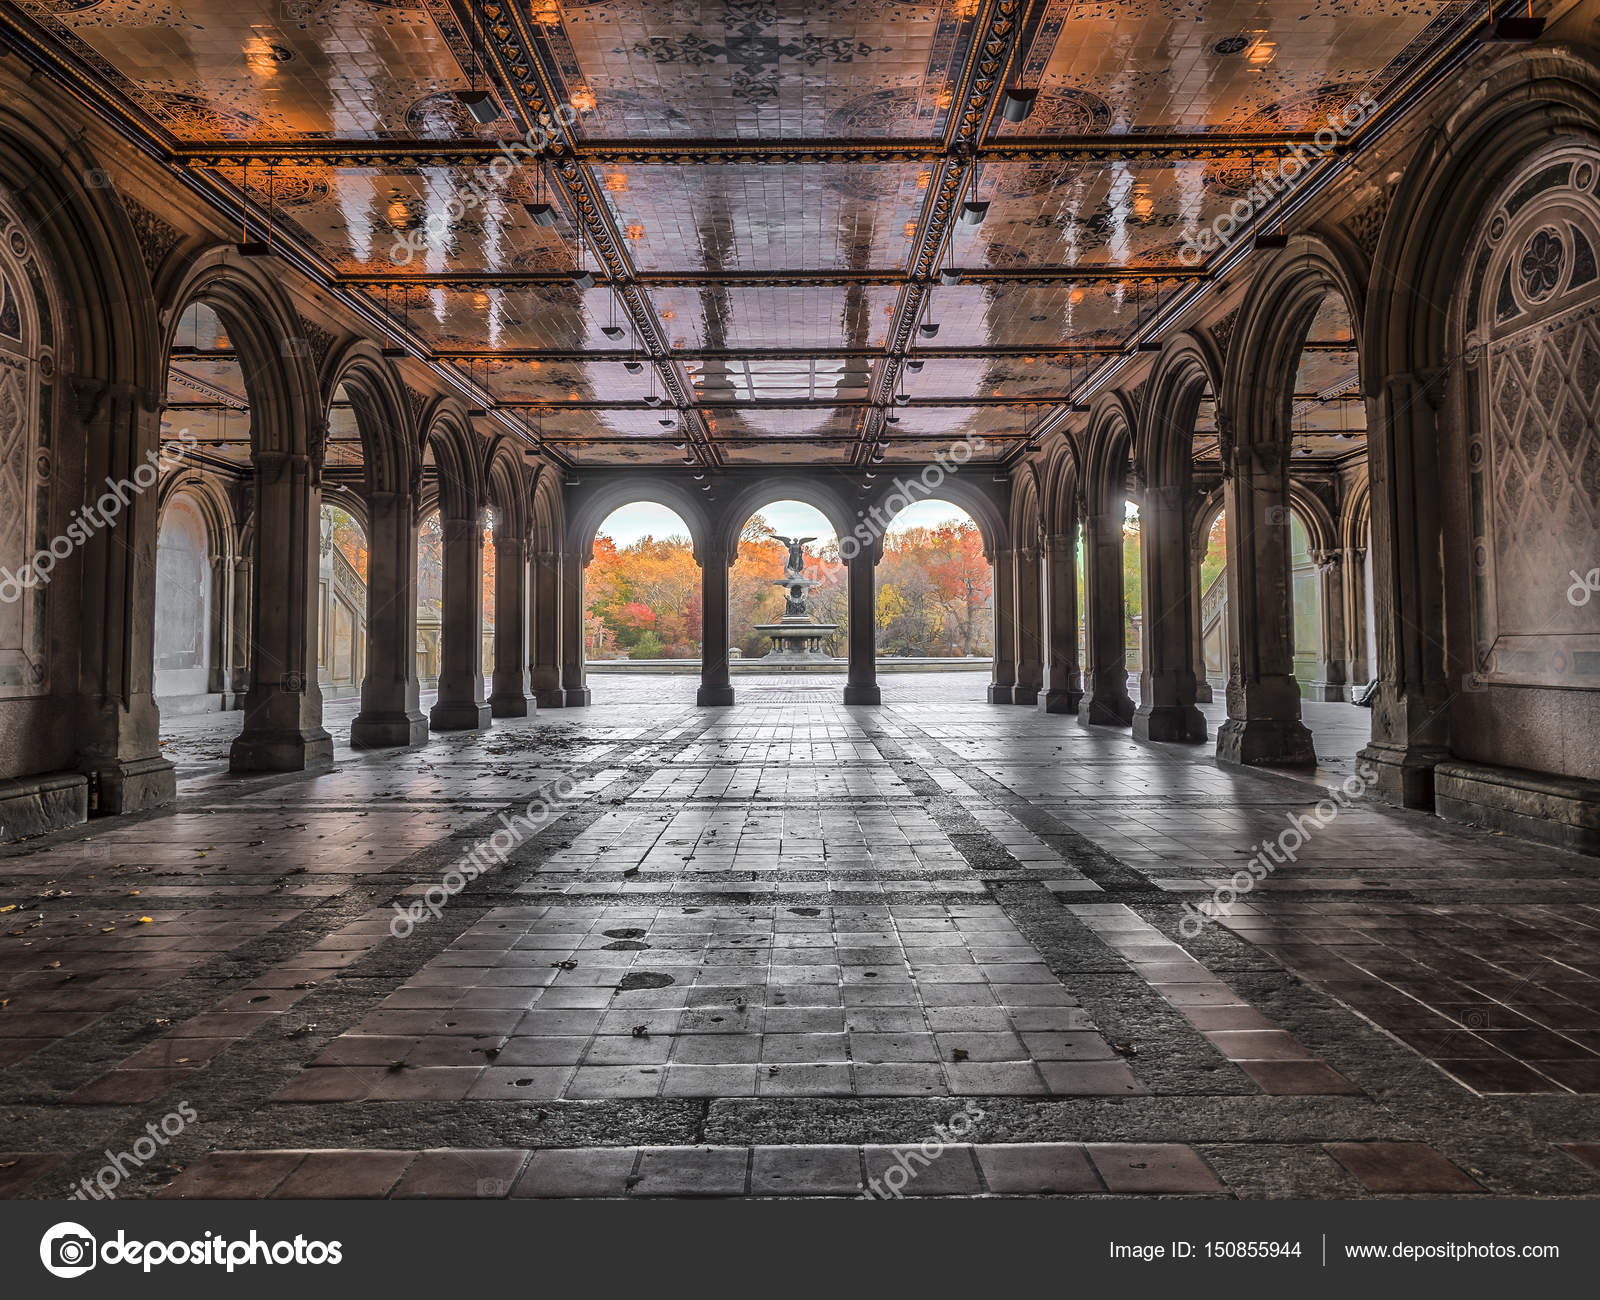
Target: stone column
(861, 600)
(1064, 684)
(575, 693)
(1030, 628)
(509, 696)
(1332, 681)
(242, 598)
(1167, 681)
(1411, 714)
(391, 713)
(219, 632)
(1358, 673)
(547, 692)
(716, 685)
(118, 724)
(1106, 702)
(283, 708)
(1263, 726)
(460, 705)
(1004, 680)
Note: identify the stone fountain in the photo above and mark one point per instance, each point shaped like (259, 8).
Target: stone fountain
(797, 638)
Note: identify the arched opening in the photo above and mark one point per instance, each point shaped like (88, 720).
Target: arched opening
(344, 562)
(186, 609)
(1132, 589)
(767, 619)
(641, 592)
(934, 600)
(486, 624)
(1305, 604)
(430, 597)
(1213, 622)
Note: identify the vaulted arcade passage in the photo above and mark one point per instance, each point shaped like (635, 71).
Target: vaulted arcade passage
(623, 600)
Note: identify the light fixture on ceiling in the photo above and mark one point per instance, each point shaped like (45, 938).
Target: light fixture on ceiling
(393, 351)
(949, 277)
(1271, 240)
(613, 331)
(248, 247)
(1511, 30)
(1152, 345)
(902, 399)
(633, 367)
(654, 399)
(666, 422)
(1018, 103)
(582, 279)
(914, 366)
(543, 214)
(928, 329)
(973, 211)
(482, 105)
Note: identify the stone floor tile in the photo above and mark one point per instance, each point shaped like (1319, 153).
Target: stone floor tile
(1166, 1167)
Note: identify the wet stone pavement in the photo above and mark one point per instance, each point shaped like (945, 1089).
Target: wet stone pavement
(789, 948)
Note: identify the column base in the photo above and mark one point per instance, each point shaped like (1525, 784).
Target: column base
(1202, 692)
(509, 706)
(1115, 712)
(1559, 810)
(1026, 695)
(863, 695)
(469, 715)
(713, 695)
(576, 697)
(1265, 742)
(131, 785)
(1405, 775)
(386, 730)
(1179, 722)
(282, 751)
(32, 805)
(999, 694)
(1060, 701)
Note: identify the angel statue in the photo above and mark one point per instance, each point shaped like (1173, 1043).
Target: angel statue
(796, 563)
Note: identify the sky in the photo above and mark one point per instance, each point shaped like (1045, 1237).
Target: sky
(629, 523)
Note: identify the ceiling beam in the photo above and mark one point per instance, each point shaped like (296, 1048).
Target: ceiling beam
(1022, 276)
(408, 152)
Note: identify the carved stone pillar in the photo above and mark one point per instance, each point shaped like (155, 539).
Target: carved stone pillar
(283, 708)
(861, 683)
(1030, 629)
(460, 705)
(391, 713)
(1004, 682)
(1167, 679)
(118, 733)
(1107, 702)
(1411, 714)
(1358, 672)
(716, 684)
(547, 691)
(1331, 682)
(1064, 683)
(241, 603)
(1263, 725)
(574, 691)
(509, 696)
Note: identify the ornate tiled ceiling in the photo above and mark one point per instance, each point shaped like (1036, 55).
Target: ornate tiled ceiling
(763, 190)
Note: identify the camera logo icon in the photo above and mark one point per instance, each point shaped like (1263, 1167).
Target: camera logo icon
(67, 1250)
